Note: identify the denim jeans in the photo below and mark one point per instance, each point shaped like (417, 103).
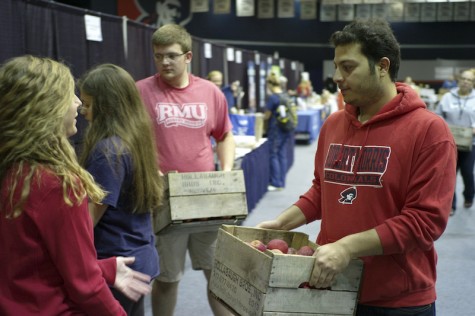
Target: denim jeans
(278, 157)
(424, 310)
(465, 162)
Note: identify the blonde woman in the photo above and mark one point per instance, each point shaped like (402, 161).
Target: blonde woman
(119, 151)
(47, 254)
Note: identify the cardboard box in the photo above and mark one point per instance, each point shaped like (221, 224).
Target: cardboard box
(251, 282)
(202, 201)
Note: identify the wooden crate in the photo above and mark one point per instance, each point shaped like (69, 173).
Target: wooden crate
(202, 201)
(251, 282)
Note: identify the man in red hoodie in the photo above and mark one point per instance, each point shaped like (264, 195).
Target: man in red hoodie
(384, 179)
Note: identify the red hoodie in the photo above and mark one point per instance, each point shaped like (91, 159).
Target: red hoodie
(396, 174)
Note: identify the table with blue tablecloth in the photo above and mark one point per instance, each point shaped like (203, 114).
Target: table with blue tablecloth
(309, 123)
(255, 165)
(243, 124)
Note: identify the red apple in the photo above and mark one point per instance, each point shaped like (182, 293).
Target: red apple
(305, 251)
(278, 244)
(259, 245)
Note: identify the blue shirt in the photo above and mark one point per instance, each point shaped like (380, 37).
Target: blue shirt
(229, 94)
(120, 232)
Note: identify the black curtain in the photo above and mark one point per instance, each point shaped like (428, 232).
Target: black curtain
(139, 53)
(237, 71)
(70, 34)
(216, 62)
(111, 49)
(12, 26)
(39, 33)
(197, 49)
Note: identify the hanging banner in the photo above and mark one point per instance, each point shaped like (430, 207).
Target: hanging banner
(428, 12)
(222, 6)
(245, 8)
(462, 11)
(346, 12)
(444, 12)
(238, 56)
(363, 11)
(308, 9)
(93, 28)
(230, 54)
(257, 58)
(199, 6)
(156, 13)
(208, 50)
(262, 85)
(328, 13)
(412, 12)
(251, 88)
(286, 9)
(379, 10)
(395, 12)
(265, 9)
(282, 64)
(270, 60)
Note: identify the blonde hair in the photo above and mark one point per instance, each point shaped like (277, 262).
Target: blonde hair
(118, 111)
(35, 95)
(214, 73)
(273, 80)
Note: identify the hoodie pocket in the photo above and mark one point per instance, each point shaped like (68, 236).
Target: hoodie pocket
(384, 277)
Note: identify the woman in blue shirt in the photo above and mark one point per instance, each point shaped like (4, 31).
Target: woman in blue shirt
(119, 152)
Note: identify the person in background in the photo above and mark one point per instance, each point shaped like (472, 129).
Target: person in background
(457, 107)
(408, 80)
(276, 137)
(304, 89)
(119, 152)
(232, 92)
(329, 102)
(47, 254)
(186, 112)
(398, 161)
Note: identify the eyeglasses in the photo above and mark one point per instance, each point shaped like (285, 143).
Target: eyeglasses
(170, 57)
(465, 79)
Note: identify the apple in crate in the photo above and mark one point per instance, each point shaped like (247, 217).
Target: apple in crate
(278, 244)
(259, 245)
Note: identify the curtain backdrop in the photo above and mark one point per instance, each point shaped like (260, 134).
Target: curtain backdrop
(139, 50)
(39, 33)
(216, 62)
(51, 29)
(12, 26)
(111, 49)
(70, 43)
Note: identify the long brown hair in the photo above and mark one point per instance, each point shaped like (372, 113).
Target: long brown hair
(118, 111)
(35, 95)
